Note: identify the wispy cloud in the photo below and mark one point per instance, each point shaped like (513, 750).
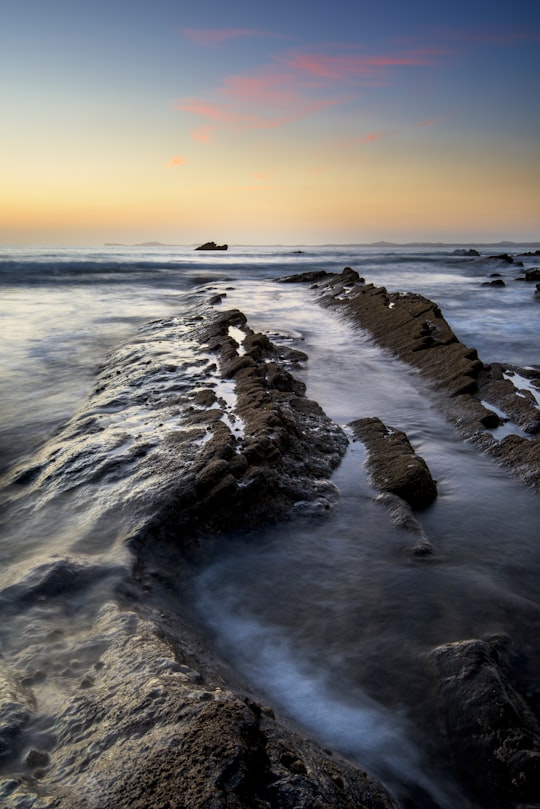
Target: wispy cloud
(176, 161)
(215, 36)
(295, 84)
(244, 113)
(350, 66)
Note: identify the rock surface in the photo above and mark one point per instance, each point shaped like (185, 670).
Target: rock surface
(493, 736)
(393, 464)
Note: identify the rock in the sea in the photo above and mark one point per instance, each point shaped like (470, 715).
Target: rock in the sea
(532, 275)
(493, 736)
(402, 515)
(463, 252)
(498, 282)
(212, 246)
(393, 464)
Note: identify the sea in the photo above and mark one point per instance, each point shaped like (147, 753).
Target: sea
(326, 621)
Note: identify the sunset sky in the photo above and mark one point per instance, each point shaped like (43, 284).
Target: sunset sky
(282, 122)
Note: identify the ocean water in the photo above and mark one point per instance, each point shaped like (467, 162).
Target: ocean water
(328, 621)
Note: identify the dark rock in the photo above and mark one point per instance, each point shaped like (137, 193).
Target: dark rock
(497, 283)
(504, 257)
(36, 758)
(470, 252)
(304, 278)
(492, 734)
(537, 292)
(212, 246)
(401, 515)
(393, 464)
(532, 275)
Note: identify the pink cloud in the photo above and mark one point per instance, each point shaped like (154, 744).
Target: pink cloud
(307, 83)
(233, 116)
(203, 134)
(265, 88)
(430, 121)
(176, 161)
(371, 137)
(341, 67)
(215, 36)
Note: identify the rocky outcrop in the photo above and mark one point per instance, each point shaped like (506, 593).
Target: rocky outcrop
(493, 736)
(212, 246)
(472, 395)
(393, 465)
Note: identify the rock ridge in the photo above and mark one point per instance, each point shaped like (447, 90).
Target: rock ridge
(477, 398)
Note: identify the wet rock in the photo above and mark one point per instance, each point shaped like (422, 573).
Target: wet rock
(463, 252)
(393, 464)
(532, 275)
(503, 257)
(498, 282)
(493, 736)
(156, 732)
(36, 758)
(402, 515)
(16, 707)
(306, 277)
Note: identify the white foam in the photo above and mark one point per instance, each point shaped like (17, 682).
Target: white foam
(522, 383)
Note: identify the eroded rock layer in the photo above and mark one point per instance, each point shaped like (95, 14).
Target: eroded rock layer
(476, 397)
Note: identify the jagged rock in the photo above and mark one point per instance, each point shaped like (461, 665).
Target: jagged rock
(212, 246)
(463, 252)
(393, 464)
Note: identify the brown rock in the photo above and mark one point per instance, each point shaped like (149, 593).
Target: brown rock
(393, 464)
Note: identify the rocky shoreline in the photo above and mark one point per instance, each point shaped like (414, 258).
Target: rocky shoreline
(219, 436)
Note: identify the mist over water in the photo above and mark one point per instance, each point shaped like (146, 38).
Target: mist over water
(329, 619)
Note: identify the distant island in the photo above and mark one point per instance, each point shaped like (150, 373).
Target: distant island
(212, 246)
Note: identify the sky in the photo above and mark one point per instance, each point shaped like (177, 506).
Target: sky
(265, 123)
